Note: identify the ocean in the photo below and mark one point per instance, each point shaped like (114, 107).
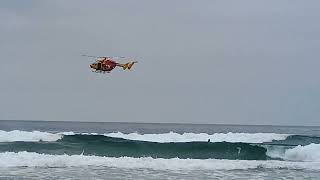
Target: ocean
(83, 150)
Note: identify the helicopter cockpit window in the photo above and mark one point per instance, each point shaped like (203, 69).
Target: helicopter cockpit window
(99, 66)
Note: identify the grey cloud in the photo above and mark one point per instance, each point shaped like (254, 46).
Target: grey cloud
(240, 62)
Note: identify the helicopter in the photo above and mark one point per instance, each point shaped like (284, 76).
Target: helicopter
(105, 64)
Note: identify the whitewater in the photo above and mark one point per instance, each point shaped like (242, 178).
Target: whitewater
(309, 152)
(30, 159)
(16, 135)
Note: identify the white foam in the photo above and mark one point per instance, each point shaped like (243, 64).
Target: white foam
(309, 152)
(34, 136)
(275, 151)
(191, 137)
(16, 135)
(31, 159)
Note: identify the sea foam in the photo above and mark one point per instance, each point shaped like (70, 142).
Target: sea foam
(17, 135)
(31, 159)
(309, 153)
(34, 136)
(191, 137)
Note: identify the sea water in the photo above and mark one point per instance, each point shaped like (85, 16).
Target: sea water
(78, 150)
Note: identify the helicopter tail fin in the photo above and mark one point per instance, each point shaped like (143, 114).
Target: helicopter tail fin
(128, 65)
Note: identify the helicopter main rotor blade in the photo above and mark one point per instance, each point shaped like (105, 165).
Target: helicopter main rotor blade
(115, 57)
(89, 56)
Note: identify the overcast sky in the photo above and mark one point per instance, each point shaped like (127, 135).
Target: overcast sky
(207, 61)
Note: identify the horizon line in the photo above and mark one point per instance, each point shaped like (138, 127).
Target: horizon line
(177, 123)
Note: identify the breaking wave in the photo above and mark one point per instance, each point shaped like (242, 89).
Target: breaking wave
(31, 159)
(231, 146)
(191, 137)
(116, 147)
(309, 153)
(34, 136)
